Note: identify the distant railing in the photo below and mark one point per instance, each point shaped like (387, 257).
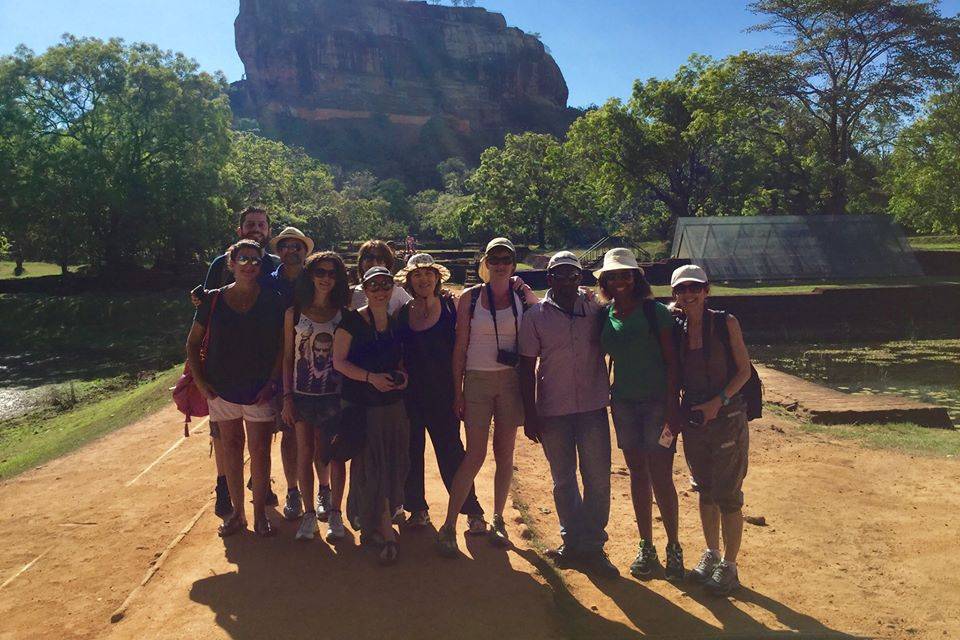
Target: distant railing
(591, 257)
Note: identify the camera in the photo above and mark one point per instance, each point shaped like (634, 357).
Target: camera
(694, 418)
(397, 377)
(507, 358)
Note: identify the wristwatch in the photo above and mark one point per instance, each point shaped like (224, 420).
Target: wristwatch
(724, 399)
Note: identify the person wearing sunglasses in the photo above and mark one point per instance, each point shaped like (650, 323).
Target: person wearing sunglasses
(239, 376)
(367, 352)
(253, 224)
(565, 404)
(311, 396)
(293, 247)
(377, 253)
(714, 366)
(637, 334)
(486, 385)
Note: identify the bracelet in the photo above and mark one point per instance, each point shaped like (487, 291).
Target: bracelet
(367, 378)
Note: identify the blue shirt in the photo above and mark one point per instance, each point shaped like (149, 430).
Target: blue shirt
(275, 280)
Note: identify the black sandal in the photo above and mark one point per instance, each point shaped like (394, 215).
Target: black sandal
(264, 528)
(389, 553)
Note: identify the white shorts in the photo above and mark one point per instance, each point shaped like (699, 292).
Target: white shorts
(222, 410)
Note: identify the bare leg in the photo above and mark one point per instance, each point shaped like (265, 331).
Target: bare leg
(504, 439)
(710, 520)
(304, 451)
(231, 445)
(258, 442)
(732, 534)
(661, 476)
(472, 462)
(338, 481)
(386, 524)
(218, 455)
(641, 492)
(288, 455)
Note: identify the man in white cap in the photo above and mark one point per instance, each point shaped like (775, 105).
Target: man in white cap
(565, 400)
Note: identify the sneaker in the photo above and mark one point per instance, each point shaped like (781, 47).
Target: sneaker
(723, 581)
(447, 543)
(562, 556)
(323, 503)
(674, 571)
(293, 507)
(398, 517)
(599, 564)
(704, 569)
(335, 530)
(646, 561)
(223, 507)
(476, 526)
(308, 526)
(498, 532)
(418, 519)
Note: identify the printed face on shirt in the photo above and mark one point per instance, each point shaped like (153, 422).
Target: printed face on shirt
(322, 346)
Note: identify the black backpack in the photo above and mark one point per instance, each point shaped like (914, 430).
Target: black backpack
(752, 389)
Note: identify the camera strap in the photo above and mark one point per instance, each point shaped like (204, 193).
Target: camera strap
(493, 313)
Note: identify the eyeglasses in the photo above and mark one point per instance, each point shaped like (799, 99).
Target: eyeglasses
(496, 261)
(320, 272)
(245, 260)
(568, 276)
(378, 285)
(692, 287)
(292, 245)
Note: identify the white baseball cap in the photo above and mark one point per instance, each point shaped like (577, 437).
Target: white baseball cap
(688, 273)
(564, 257)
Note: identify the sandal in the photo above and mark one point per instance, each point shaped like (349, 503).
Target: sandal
(263, 528)
(476, 526)
(447, 542)
(389, 553)
(231, 525)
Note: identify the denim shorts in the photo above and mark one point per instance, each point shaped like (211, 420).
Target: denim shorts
(638, 424)
(317, 411)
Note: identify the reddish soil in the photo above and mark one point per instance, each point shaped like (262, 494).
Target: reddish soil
(858, 543)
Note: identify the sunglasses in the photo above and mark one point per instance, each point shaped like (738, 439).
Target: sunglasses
(618, 275)
(320, 272)
(568, 276)
(245, 260)
(692, 287)
(499, 261)
(378, 285)
(293, 245)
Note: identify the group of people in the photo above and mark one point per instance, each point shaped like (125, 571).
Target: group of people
(361, 374)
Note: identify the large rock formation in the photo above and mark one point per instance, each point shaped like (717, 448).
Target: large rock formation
(391, 85)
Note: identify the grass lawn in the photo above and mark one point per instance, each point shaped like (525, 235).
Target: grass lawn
(31, 269)
(778, 288)
(935, 243)
(43, 435)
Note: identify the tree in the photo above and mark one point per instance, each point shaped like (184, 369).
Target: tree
(527, 189)
(924, 174)
(851, 64)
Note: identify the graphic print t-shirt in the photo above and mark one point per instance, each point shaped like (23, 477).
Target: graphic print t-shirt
(313, 357)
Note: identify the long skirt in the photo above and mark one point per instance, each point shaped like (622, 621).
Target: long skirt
(378, 473)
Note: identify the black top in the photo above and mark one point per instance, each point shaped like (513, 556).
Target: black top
(376, 352)
(242, 347)
(428, 356)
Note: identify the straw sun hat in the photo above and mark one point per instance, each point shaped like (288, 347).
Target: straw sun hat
(294, 233)
(422, 261)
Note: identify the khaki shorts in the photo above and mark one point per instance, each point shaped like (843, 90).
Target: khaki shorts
(222, 410)
(717, 456)
(492, 395)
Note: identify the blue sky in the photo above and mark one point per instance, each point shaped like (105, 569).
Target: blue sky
(601, 45)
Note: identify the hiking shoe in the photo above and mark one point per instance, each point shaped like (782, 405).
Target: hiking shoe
(476, 526)
(323, 504)
(223, 507)
(293, 507)
(498, 532)
(308, 526)
(335, 530)
(562, 556)
(447, 542)
(598, 563)
(723, 581)
(398, 517)
(418, 519)
(674, 571)
(704, 569)
(646, 561)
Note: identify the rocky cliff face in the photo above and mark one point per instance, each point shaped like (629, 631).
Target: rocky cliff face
(392, 85)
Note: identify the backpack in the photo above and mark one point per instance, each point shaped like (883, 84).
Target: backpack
(475, 295)
(752, 389)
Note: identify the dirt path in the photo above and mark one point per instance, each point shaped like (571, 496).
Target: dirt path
(838, 557)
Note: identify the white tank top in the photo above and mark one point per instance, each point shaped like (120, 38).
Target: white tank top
(482, 350)
(313, 372)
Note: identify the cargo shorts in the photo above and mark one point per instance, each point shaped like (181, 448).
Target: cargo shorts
(717, 455)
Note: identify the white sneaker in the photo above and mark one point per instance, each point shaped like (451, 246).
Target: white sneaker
(308, 526)
(335, 530)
